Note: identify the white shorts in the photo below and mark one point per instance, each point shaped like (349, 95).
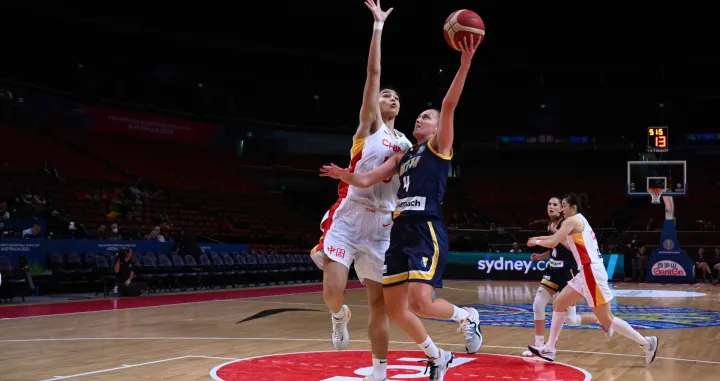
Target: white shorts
(592, 283)
(353, 232)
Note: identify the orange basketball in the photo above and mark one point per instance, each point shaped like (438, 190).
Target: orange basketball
(463, 24)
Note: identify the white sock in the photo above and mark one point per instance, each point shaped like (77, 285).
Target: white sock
(622, 327)
(429, 348)
(379, 369)
(340, 314)
(572, 312)
(460, 314)
(539, 340)
(558, 318)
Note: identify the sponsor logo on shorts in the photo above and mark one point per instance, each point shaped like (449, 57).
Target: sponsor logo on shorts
(410, 203)
(668, 268)
(556, 263)
(336, 251)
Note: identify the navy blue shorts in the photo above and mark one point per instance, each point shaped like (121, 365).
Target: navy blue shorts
(556, 279)
(418, 252)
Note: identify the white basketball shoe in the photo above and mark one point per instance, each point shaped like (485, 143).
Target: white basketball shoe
(340, 336)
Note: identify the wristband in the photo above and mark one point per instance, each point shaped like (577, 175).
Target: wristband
(379, 25)
(537, 242)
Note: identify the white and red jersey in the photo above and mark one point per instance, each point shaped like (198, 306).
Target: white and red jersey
(584, 245)
(365, 155)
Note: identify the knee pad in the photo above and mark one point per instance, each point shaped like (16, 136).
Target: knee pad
(542, 297)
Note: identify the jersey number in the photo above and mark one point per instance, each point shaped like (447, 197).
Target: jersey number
(389, 179)
(406, 183)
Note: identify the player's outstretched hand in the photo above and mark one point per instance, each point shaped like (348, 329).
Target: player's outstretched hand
(378, 13)
(531, 241)
(332, 170)
(468, 49)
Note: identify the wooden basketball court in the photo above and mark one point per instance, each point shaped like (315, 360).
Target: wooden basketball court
(193, 337)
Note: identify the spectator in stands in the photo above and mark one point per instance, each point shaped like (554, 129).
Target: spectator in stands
(32, 233)
(155, 235)
(515, 248)
(101, 233)
(701, 264)
(639, 262)
(114, 233)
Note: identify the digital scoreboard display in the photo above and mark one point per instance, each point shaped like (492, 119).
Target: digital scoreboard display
(658, 140)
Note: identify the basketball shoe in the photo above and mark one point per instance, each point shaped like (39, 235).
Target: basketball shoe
(439, 366)
(543, 352)
(340, 336)
(472, 333)
(650, 349)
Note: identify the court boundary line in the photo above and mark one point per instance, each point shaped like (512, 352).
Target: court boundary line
(121, 367)
(213, 372)
(325, 340)
(166, 305)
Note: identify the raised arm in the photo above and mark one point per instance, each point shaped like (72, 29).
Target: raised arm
(370, 119)
(364, 179)
(550, 242)
(446, 131)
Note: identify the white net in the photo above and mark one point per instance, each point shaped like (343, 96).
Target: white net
(655, 193)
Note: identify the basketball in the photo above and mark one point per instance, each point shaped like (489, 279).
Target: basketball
(461, 24)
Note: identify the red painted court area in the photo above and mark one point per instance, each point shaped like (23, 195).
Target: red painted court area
(353, 366)
(30, 310)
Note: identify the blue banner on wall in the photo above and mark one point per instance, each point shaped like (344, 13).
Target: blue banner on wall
(222, 248)
(669, 263)
(36, 250)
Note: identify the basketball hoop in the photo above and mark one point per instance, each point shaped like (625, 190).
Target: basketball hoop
(655, 193)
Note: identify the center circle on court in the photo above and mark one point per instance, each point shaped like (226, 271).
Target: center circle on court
(403, 365)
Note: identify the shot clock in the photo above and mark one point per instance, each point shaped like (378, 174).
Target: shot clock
(658, 140)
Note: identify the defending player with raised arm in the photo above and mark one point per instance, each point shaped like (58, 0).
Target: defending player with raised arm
(591, 282)
(356, 229)
(415, 260)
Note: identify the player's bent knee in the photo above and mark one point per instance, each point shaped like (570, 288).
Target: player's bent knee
(542, 297)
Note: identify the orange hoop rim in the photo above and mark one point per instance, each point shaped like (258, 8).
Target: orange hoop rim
(655, 193)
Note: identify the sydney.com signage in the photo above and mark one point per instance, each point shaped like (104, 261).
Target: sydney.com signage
(512, 266)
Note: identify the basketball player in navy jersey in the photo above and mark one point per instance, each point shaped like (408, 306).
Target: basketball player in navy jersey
(418, 250)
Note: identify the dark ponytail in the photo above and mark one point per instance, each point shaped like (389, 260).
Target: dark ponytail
(581, 201)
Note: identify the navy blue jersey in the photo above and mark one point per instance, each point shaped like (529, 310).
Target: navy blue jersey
(561, 258)
(423, 175)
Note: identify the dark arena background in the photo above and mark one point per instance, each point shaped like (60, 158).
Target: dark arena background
(193, 134)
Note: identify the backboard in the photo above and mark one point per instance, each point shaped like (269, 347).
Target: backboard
(669, 175)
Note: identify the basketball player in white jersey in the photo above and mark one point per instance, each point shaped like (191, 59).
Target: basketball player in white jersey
(357, 228)
(561, 269)
(590, 283)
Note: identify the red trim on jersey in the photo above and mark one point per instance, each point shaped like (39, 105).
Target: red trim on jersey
(325, 225)
(343, 186)
(590, 281)
(342, 192)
